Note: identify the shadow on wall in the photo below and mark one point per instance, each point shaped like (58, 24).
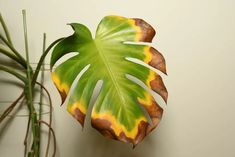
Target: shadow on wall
(91, 143)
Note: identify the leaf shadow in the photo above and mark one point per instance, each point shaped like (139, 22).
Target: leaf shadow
(7, 122)
(90, 142)
(12, 83)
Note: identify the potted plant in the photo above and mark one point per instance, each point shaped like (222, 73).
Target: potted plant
(25, 73)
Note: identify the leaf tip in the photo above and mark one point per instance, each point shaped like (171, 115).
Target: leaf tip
(63, 88)
(134, 146)
(157, 60)
(147, 32)
(156, 84)
(77, 113)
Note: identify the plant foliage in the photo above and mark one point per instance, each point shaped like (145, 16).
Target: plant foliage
(117, 111)
(25, 73)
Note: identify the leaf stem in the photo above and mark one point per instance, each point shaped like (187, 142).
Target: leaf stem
(11, 107)
(13, 49)
(13, 72)
(42, 59)
(41, 89)
(26, 137)
(53, 133)
(12, 56)
(5, 29)
(50, 117)
(29, 93)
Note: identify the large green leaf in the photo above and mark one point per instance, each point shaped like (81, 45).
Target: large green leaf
(117, 111)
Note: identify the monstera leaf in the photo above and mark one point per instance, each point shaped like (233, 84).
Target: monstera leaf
(117, 111)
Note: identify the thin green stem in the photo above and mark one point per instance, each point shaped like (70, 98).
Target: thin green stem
(29, 93)
(4, 26)
(12, 56)
(26, 137)
(41, 89)
(13, 72)
(50, 116)
(42, 59)
(26, 37)
(53, 134)
(13, 49)
(10, 108)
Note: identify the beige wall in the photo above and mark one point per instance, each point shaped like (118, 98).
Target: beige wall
(197, 38)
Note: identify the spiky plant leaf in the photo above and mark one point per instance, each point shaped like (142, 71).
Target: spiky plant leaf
(117, 110)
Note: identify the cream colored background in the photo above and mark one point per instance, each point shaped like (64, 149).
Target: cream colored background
(197, 39)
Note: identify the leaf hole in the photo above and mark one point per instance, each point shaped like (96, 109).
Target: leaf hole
(65, 58)
(94, 96)
(76, 81)
(135, 60)
(156, 97)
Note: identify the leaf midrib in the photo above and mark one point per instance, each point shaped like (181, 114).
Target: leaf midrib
(105, 61)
